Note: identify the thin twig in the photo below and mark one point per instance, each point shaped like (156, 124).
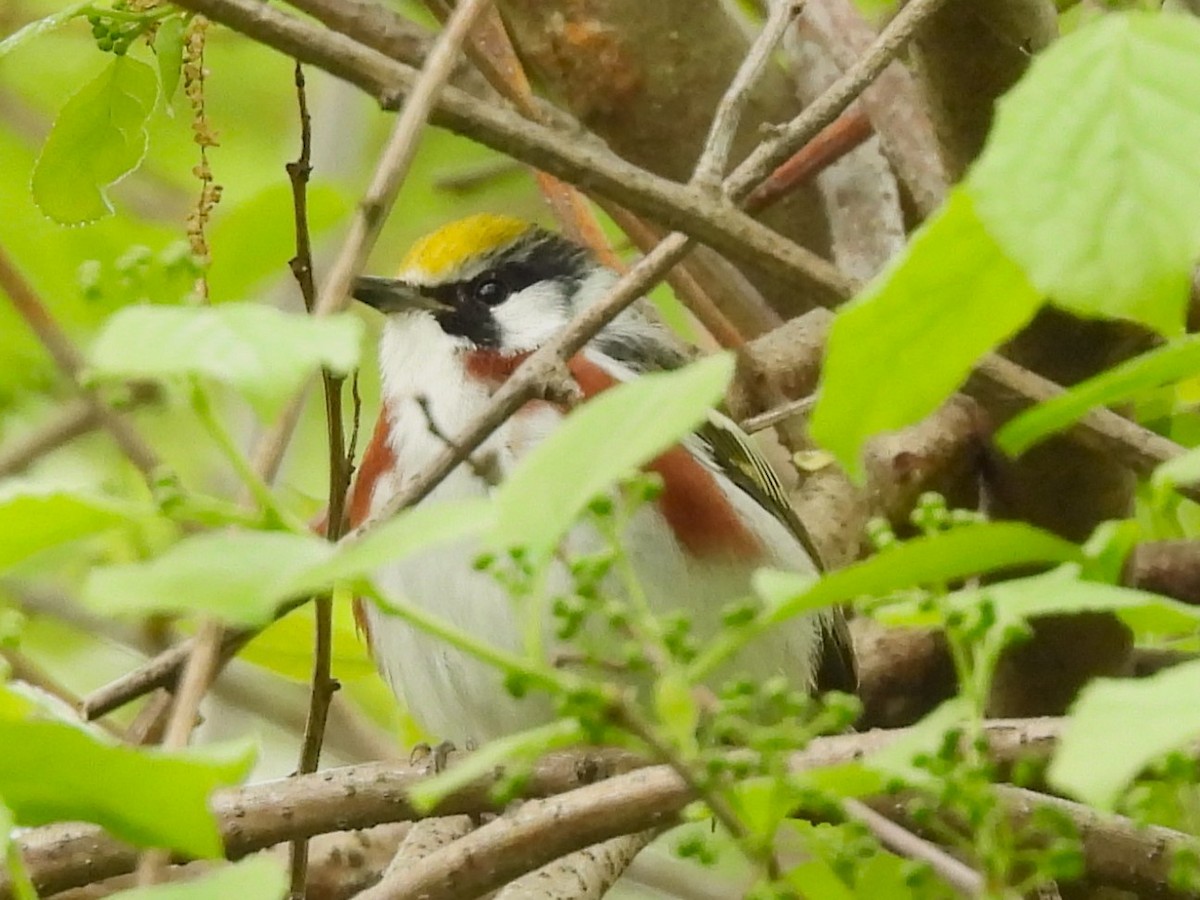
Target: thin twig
(802, 129)
(22, 668)
(710, 168)
(845, 133)
(899, 839)
(717, 805)
(197, 675)
(324, 685)
(777, 414)
(75, 419)
(71, 363)
(381, 192)
(397, 157)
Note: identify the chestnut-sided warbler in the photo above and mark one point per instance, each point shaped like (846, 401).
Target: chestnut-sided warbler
(470, 302)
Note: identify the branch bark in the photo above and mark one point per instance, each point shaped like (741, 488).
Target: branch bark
(258, 816)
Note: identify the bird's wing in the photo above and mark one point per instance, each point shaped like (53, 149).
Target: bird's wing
(735, 454)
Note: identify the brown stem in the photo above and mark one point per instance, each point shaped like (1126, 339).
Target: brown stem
(323, 684)
(70, 362)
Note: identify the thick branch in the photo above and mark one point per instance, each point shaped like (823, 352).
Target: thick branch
(262, 815)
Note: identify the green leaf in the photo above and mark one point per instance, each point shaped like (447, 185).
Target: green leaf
(910, 339)
(1098, 198)
(285, 647)
(51, 772)
(1183, 469)
(98, 138)
(256, 878)
(1117, 727)
(168, 50)
(239, 576)
(405, 533)
(1062, 591)
(1178, 360)
(521, 749)
(898, 759)
(33, 519)
(39, 26)
(932, 559)
(264, 353)
(599, 443)
(677, 709)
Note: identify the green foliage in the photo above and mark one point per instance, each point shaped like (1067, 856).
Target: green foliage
(242, 576)
(602, 441)
(237, 575)
(930, 559)
(1098, 759)
(98, 138)
(264, 353)
(1093, 203)
(1177, 360)
(51, 771)
(39, 27)
(908, 341)
(257, 878)
(515, 754)
(37, 518)
(1098, 199)
(168, 51)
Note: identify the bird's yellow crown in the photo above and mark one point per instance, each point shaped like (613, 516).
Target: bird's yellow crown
(442, 251)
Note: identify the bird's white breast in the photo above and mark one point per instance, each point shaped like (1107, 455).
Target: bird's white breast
(452, 695)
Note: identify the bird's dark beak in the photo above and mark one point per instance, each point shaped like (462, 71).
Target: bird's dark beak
(388, 295)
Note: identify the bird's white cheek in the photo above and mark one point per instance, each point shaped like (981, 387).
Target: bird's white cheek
(531, 317)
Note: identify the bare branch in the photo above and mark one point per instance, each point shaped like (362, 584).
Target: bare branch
(583, 875)
(75, 419)
(894, 103)
(710, 167)
(70, 362)
(840, 94)
(571, 157)
(324, 685)
(899, 839)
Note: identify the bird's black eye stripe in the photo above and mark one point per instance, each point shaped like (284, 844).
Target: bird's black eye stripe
(489, 290)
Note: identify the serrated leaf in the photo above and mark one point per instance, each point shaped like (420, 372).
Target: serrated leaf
(256, 878)
(599, 443)
(1098, 198)
(33, 519)
(239, 576)
(51, 772)
(910, 339)
(260, 351)
(39, 26)
(98, 138)
(932, 559)
(168, 51)
(1164, 365)
(1097, 758)
(522, 748)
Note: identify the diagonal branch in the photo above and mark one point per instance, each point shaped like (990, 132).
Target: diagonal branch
(71, 363)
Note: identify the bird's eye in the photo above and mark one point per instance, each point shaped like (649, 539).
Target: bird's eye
(491, 291)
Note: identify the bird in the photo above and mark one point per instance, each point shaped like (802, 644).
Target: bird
(470, 302)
